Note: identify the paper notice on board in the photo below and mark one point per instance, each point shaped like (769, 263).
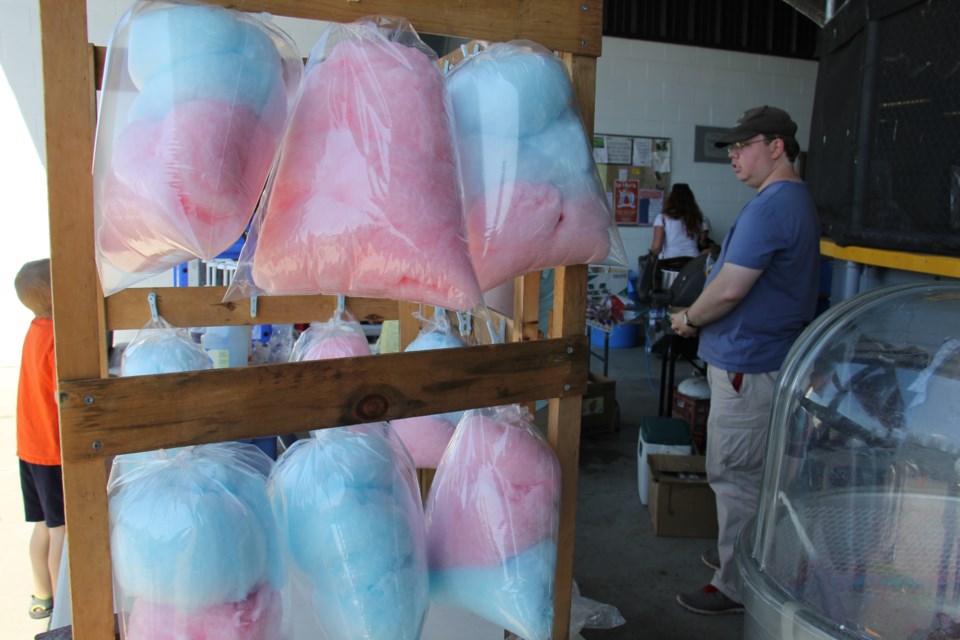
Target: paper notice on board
(642, 152)
(655, 196)
(619, 150)
(661, 156)
(599, 149)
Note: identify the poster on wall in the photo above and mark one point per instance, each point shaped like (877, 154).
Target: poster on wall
(626, 199)
(635, 173)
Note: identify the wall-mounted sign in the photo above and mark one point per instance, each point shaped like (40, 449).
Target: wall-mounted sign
(705, 149)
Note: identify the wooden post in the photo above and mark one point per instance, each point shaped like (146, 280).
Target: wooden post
(69, 102)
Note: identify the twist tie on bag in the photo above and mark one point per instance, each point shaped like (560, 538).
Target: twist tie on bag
(466, 323)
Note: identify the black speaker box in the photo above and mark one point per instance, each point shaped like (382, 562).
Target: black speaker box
(884, 155)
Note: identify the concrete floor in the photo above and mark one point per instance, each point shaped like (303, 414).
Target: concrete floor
(617, 559)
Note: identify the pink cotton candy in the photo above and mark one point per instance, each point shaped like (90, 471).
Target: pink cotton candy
(525, 226)
(340, 346)
(496, 493)
(365, 201)
(259, 617)
(425, 437)
(183, 186)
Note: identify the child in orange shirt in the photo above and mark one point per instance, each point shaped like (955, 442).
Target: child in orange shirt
(38, 437)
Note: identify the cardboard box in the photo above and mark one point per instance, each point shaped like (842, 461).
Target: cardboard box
(598, 411)
(682, 504)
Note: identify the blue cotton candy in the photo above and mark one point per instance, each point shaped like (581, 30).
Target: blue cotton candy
(429, 340)
(394, 607)
(229, 78)
(191, 533)
(359, 459)
(426, 341)
(508, 91)
(518, 594)
(486, 163)
(161, 37)
(155, 351)
(558, 153)
(353, 522)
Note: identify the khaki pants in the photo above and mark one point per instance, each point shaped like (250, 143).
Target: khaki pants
(737, 429)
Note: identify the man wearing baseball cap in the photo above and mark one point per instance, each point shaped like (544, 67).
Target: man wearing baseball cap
(757, 299)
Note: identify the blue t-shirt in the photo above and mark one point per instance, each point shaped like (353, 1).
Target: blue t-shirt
(777, 232)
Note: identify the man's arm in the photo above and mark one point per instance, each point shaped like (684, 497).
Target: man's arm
(724, 292)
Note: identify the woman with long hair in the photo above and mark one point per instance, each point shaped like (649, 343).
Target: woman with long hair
(681, 229)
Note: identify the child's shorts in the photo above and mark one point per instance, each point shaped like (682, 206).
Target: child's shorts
(42, 488)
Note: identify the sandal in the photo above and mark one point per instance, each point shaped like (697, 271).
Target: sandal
(40, 609)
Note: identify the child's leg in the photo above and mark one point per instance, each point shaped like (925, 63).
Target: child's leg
(39, 554)
(55, 554)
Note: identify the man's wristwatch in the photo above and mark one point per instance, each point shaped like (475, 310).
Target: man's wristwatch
(686, 321)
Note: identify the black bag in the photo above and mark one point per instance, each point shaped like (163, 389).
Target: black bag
(646, 272)
(689, 283)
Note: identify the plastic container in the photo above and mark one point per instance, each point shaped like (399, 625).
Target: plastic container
(227, 346)
(667, 278)
(858, 529)
(623, 336)
(659, 435)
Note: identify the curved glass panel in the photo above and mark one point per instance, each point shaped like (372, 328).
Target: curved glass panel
(859, 521)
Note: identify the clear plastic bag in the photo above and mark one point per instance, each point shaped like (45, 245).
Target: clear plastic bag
(426, 437)
(159, 347)
(532, 195)
(350, 513)
(194, 102)
(195, 547)
(492, 519)
(340, 337)
(364, 199)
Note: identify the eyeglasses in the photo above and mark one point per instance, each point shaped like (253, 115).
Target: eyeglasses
(735, 148)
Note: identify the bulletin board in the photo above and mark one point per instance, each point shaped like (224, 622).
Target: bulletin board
(635, 172)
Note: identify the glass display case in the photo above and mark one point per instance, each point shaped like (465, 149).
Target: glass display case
(858, 530)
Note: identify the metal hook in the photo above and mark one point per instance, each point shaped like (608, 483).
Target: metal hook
(253, 306)
(152, 301)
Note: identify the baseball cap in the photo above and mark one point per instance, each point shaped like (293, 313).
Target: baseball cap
(765, 120)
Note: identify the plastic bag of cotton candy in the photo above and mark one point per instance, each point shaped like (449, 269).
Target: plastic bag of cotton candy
(339, 337)
(194, 102)
(532, 195)
(195, 548)
(159, 347)
(492, 521)
(426, 437)
(348, 507)
(364, 200)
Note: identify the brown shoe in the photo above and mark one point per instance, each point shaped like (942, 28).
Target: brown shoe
(709, 601)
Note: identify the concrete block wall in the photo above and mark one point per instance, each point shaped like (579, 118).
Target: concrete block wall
(657, 89)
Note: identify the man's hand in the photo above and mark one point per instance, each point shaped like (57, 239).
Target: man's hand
(679, 326)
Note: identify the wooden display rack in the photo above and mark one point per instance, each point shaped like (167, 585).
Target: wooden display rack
(101, 417)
